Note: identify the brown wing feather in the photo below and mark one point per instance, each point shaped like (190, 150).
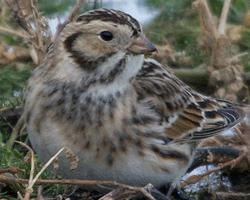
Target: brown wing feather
(187, 114)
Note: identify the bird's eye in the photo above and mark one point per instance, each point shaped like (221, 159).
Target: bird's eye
(106, 35)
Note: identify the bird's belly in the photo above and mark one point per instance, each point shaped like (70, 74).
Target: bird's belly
(85, 161)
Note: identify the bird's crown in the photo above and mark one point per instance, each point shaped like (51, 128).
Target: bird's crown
(111, 15)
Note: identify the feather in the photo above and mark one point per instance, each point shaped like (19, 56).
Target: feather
(195, 116)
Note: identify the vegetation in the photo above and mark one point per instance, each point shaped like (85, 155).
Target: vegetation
(176, 25)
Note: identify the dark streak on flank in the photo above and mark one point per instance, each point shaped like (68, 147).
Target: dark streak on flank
(110, 159)
(170, 154)
(143, 120)
(87, 144)
(165, 169)
(122, 141)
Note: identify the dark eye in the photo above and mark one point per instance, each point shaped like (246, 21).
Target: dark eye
(135, 33)
(106, 35)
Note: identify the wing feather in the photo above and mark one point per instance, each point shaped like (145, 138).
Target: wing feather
(187, 115)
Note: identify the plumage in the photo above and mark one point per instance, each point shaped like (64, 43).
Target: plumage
(125, 117)
(193, 115)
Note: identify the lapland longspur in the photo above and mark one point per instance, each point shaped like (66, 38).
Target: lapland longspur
(125, 117)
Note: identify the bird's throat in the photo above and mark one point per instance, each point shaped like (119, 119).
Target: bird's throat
(114, 75)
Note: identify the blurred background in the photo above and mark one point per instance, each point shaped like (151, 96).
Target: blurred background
(171, 24)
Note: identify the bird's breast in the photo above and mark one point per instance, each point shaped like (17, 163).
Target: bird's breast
(98, 127)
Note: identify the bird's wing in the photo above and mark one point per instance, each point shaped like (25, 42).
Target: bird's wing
(185, 114)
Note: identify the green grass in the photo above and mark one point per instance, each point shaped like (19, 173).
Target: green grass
(13, 79)
(244, 44)
(15, 157)
(12, 83)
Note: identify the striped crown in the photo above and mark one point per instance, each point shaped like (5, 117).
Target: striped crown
(110, 15)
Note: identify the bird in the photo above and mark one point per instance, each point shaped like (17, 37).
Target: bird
(122, 115)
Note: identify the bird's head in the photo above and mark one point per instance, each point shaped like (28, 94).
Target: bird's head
(98, 34)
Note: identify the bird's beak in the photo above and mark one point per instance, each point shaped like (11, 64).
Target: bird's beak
(142, 45)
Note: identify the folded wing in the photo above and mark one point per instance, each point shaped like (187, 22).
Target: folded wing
(185, 114)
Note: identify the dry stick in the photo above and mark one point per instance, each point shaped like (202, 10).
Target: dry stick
(41, 45)
(39, 193)
(32, 180)
(46, 166)
(11, 170)
(19, 196)
(38, 30)
(28, 190)
(11, 180)
(70, 17)
(223, 17)
(206, 18)
(237, 57)
(14, 111)
(219, 45)
(16, 131)
(244, 141)
(119, 193)
(18, 14)
(33, 25)
(8, 30)
(195, 178)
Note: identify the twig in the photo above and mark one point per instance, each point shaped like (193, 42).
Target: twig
(195, 178)
(45, 167)
(236, 58)
(224, 73)
(39, 193)
(8, 30)
(7, 112)
(223, 17)
(32, 180)
(16, 131)
(10, 180)
(19, 195)
(123, 193)
(206, 18)
(119, 193)
(29, 189)
(11, 170)
(232, 195)
(18, 14)
(219, 154)
(70, 17)
(35, 25)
